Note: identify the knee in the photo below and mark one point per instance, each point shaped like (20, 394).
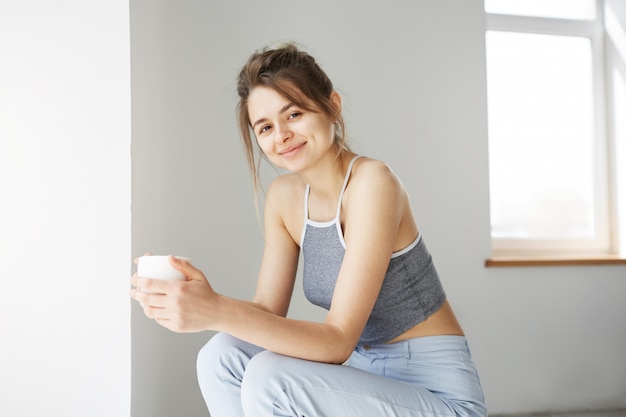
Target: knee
(209, 357)
(262, 369)
(222, 358)
(267, 377)
(212, 352)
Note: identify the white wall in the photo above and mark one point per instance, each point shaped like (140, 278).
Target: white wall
(64, 208)
(412, 74)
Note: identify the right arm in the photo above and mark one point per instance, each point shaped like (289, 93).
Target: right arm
(281, 252)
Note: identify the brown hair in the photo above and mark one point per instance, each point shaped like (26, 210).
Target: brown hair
(295, 75)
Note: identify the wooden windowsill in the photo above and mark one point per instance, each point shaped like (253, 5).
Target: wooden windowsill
(506, 261)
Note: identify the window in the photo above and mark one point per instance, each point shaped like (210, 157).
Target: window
(552, 182)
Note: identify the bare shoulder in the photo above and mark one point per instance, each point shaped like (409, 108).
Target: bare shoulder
(376, 196)
(285, 189)
(374, 175)
(374, 189)
(284, 204)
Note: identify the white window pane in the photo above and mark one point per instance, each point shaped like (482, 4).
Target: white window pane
(541, 152)
(561, 9)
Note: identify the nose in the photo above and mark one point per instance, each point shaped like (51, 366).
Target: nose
(282, 132)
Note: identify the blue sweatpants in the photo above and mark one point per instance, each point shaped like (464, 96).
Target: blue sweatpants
(427, 376)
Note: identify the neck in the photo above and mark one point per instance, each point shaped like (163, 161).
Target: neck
(326, 178)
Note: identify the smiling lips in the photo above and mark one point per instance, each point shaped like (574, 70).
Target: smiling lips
(292, 150)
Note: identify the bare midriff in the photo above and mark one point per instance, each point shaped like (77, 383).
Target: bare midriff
(442, 322)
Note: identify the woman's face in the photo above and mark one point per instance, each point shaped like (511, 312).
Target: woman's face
(291, 137)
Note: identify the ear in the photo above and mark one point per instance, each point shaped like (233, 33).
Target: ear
(335, 99)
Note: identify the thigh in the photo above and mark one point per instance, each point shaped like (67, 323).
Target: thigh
(439, 364)
(276, 385)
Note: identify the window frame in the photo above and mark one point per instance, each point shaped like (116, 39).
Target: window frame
(605, 243)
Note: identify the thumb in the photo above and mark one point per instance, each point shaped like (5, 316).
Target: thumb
(190, 271)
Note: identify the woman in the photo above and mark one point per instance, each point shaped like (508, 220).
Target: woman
(364, 260)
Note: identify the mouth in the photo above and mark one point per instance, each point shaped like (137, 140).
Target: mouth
(292, 150)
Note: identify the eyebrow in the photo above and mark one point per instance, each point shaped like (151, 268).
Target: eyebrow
(282, 110)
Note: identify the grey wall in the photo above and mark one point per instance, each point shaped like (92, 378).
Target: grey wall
(412, 75)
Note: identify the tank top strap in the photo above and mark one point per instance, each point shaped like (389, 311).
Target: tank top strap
(345, 184)
(307, 190)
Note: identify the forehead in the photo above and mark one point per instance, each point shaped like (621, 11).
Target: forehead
(263, 101)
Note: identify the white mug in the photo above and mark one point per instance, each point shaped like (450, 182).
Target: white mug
(158, 267)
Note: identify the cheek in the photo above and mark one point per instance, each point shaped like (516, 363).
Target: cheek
(330, 131)
(260, 142)
(265, 146)
(328, 128)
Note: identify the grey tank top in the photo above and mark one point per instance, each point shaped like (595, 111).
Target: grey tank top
(411, 290)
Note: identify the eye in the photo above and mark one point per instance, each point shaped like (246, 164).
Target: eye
(294, 115)
(264, 129)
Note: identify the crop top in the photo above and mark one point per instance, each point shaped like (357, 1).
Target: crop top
(411, 290)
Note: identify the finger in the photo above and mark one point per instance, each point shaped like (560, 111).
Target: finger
(139, 296)
(156, 313)
(133, 280)
(190, 271)
(137, 281)
(149, 300)
(136, 260)
(150, 286)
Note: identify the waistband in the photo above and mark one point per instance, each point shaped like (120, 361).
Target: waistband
(415, 345)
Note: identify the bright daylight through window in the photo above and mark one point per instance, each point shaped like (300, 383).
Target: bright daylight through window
(551, 175)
